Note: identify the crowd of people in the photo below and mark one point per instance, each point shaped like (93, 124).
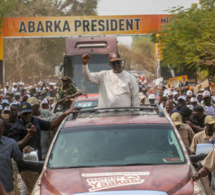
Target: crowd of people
(26, 117)
(194, 118)
(27, 122)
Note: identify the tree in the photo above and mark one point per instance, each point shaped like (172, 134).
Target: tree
(141, 56)
(188, 42)
(144, 50)
(5, 8)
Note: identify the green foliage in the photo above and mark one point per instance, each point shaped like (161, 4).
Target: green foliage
(188, 42)
(84, 8)
(5, 9)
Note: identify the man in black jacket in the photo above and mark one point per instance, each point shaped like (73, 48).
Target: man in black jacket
(27, 131)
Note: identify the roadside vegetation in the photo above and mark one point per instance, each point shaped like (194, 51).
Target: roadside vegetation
(188, 41)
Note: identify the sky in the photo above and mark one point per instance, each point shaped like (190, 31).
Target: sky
(135, 7)
(138, 7)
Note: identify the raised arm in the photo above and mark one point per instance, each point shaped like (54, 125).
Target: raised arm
(92, 77)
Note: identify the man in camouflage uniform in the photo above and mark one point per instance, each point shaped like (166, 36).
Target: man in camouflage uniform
(66, 92)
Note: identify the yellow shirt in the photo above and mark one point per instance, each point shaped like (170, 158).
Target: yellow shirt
(209, 161)
(187, 134)
(200, 138)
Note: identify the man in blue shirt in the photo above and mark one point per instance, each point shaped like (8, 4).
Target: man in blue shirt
(27, 131)
(8, 149)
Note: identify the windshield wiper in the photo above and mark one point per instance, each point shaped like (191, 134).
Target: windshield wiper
(78, 166)
(132, 164)
(106, 165)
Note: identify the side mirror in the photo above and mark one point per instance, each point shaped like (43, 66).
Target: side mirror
(30, 157)
(32, 161)
(123, 65)
(61, 67)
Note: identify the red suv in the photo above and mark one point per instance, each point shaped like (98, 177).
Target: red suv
(118, 151)
(86, 101)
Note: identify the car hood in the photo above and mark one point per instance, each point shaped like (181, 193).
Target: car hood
(172, 179)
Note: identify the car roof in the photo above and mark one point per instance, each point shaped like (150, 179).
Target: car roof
(116, 120)
(150, 114)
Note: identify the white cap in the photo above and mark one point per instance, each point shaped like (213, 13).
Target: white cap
(7, 108)
(190, 107)
(45, 101)
(152, 97)
(52, 83)
(189, 93)
(170, 93)
(50, 98)
(1, 107)
(193, 99)
(5, 101)
(182, 97)
(14, 104)
(175, 93)
(14, 84)
(17, 94)
(206, 94)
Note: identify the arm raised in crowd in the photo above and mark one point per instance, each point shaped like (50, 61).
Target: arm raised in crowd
(69, 96)
(93, 77)
(58, 120)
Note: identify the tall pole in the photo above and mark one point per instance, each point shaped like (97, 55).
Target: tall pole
(1, 62)
(158, 62)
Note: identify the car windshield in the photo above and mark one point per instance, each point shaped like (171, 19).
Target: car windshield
(85, 104)
(116, 145)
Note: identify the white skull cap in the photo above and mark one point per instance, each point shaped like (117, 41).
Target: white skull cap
(152, 97)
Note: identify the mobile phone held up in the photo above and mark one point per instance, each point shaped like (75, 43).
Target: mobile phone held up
(29, 125)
